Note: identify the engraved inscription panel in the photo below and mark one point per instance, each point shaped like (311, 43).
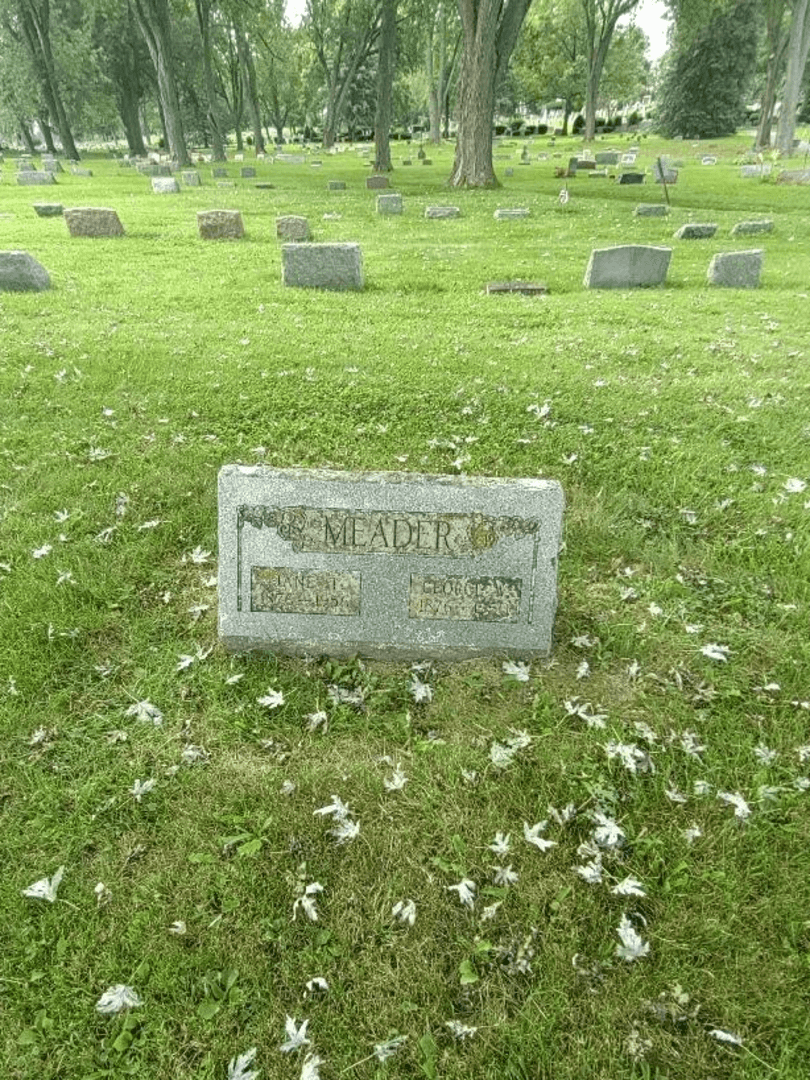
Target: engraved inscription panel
(461, 598)
(304, 592)
(396, 532)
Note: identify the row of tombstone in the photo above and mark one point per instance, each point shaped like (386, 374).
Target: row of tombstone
(633, 266)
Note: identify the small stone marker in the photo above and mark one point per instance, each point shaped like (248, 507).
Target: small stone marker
(220, 224)
(264, 187)
(20, 272)
(525, 288)
(750, 228)
(508, 213)
(239, 157)
(427, 161)
(508, 172)
(322, 266)
(749, 172)
(442, 212)
(51, 165)
(389, 204)
(247, 173)
(219, 173)
(630, 266)
(190, 179)
(708, 160)
(585, 163)
(736, 269)
(794, 176)
(48, 209)
(393, 565)
(664, 174)
(693, 231)
(374, 183)
(165, 185)
(651, 210)
(93, 221)
(407, 161)
(336, 185)
(627, 159)
(631, 178)
(28, 178)
(607, 157)
(293, 228)
(77, 171)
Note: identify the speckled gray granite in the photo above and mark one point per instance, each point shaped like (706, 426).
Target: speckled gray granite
(389, 204)
(322, 266)
(736, 269)
(389, 565)
(694, 231)
(20, 272)
(220, 224)
(651, 210)
(750, 228)
(93, 221)
(165, 185)
(630, 266)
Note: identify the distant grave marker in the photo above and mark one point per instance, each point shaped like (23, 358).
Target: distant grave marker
(48, 209)
(394, 565)
(442, 212)
(374, 183)
(630, 266)
(292, 227)
(510, 213)
(389, 204)
(692, 231)
(165, 185)
(30, 178)
(751, 228)
(322, 266)
(20, 272)
(736, 269)
(651, 210)
(94, 221)
(220, 224)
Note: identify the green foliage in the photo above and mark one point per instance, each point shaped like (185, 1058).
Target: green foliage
(708, 74)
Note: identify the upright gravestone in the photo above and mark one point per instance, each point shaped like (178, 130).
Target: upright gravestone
(631, 178)
(375, 183)
(33, 179)
(48, 209)
(651, 210)
(220, 224)
(336, 185)
(442, 212)
(389, 204)
(219, 173)
(322, 266)
(165, 185)
(292, 227)
(393, 565)
(736, 269)
(694, 231)
(190, 179)
(93, 221)
(751, 228)
(247, 173)
(20, 272)
(631, 266)
(511, 213)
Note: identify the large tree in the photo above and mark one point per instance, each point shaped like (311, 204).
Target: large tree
(385, 85)
(490, 31)
(601, 17)
(154, 19)
(797, 52)
(549, 64)
(203, 10)
(777, 35)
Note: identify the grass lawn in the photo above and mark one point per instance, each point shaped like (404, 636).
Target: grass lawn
(592, 866)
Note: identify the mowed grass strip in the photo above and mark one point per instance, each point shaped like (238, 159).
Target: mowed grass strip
(675, 703)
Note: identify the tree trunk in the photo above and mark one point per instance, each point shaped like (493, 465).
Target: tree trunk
(385, 83)
(798, 47)
(154, 21)
(36, 29)
(204, 23)
(28, 138)
(47, 135)
(777, 36)
(592, 86)
(566, 114)
(249, 71)
(490, 30)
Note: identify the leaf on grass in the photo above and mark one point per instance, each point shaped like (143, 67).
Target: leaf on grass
(296, 1035)
(466, 892)
(117, 998)
(517, 669)
(405, 911)
(272, 699)
(239, 1067)
(45, 889)
(310, 1068)
(531, 834)
(387, 1049)
(725, 1036)
(632, 946)
(147, 712)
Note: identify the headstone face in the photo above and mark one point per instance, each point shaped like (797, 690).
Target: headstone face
(33, 179)
(794, 176)
(165, 185)
(631, 178)
(93, 221)
(292, 227)
(51, 165)
(750, 228)
(290, 159)
(427, 161)
(442, 212)
(665, 174)
(389, 204)
(651, 210)
(190, 179)
(692, 231)
(394, 565)
(508, 172)
(48, 209)
(247, 173)
(586, 163)
(374, 183)
(20, 272)
(736, 269)
(322, 266)
(220, 224)
(226, 183)
(750, 172)
(627, 159)
(219, 173)
(508, 213)
(78, 171)
(336, 185)
(238, 157)
(524, 288)
(607, 157)
(24, 166)
(708, 160)
(630, 266)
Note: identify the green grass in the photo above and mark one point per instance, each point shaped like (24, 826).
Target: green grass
(677, 417)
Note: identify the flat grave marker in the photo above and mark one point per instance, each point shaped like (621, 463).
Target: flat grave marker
(93, 221)
(220, 225)
(393, 565)
(322, 266)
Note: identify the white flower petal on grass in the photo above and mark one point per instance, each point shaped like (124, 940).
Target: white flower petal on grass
(694, 832)
(725, 1036)
(466, 892)
(531, 834)
(296, 1036)
(500, 845)
(632, 946)
(742, 811)
(517, 669)
(194, 755)
(583, 669)
(318, 983)
(461, 1031)
(387, 1049)
(405, 911)
(308, 902)
(310, 1070)
(794, 486)
(591, 871)
(141, 788)
(178, 928)
(103, 894)
(505, 875)
(184, 661)
(41, 552)
(633, 758)
(674, 795)
(317, 720)
(272, 699)
(608, 833)
(287, 788)
(198, 556)
(239, 1067)
(337, 807)
(45, 889)
(421, 693)
(147, 712)
(715, 652)
(397, 781)
(232, 680)
(117, 998)
(345, 830)
(501, 756)
(765, 755)
(490, 911)
(630, 886)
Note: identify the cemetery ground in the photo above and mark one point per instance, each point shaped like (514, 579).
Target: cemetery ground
(592, 865)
